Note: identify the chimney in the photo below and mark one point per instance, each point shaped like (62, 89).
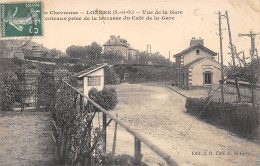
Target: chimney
(196, 41)
(112, 36)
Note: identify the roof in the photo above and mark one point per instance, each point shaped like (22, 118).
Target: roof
(199, 60)
(116, 43)
(90, 70)
(194, 47)
(193, 62)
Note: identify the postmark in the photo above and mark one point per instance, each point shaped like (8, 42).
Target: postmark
(21, 20)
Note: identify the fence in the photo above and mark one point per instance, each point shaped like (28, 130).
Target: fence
(33, 86)
(230, 93)
(80, 103)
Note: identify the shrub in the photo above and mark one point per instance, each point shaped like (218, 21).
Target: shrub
(110, 76)
(76, 138)
(241, 119)
(106, 98)
(46, 92)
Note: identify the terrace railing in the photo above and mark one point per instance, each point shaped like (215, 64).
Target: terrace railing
(138, 138)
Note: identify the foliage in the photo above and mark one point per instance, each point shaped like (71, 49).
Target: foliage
(251, 73)
(53, 53)
(9, 92)
(76, 138)
(241, 119)
(113, 58)
(17, 61)
(46, 91)
(92, 51)
(12, 80)
(71, 133)
(143, 58)
(137, 74)
(110, 76)
(106, 98)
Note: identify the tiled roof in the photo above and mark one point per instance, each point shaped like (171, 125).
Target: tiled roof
(194, 47)
(90, 70)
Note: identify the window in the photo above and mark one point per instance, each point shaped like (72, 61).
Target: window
(197, 51)
(94, 81)
(207, 78)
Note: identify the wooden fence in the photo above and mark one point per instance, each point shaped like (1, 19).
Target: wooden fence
(230, 93)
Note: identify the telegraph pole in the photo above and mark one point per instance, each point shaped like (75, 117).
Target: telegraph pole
(221, 58)
(252, 36)
(233, 57)
(252, 54)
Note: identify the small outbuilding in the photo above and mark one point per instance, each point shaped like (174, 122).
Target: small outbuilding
(92, 77)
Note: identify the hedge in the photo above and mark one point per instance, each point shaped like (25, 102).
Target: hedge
(241, 119)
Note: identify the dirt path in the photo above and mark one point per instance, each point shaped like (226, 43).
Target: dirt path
(159, 114)
(25, 139)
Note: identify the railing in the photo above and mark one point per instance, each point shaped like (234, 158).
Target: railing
(138, 138)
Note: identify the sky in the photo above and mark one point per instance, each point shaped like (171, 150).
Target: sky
(199, 19)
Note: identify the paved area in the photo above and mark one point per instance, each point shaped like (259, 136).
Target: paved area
(160, 115)
(25, 139)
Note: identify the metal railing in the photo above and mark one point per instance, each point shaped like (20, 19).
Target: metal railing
(138, 138)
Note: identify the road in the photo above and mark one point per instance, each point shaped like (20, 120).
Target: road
(160, 115)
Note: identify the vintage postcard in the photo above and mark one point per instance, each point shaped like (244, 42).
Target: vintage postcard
(151, 82)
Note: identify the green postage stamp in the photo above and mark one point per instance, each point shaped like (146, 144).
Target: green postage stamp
(22, 19)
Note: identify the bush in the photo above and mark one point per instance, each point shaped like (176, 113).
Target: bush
(110, 76)
(241, 119)
(46, 92)
(106, 98)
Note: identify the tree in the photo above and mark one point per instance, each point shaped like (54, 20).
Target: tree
(94, 51)
(143, 57)
(251, 74)
(112, 57)
(54, 53)
(76, 51)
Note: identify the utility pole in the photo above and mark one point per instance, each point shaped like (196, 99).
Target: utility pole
(252, 54)
(252, 36)
(233, 57)
(221, 58)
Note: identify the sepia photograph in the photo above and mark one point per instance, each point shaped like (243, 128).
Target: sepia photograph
(129, 83)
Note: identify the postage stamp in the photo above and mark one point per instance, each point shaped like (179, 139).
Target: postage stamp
(21, 19)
